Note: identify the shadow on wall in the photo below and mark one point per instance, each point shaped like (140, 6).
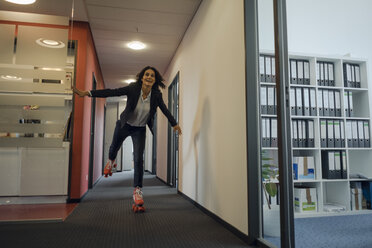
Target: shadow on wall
(199, 145)
(202, 154)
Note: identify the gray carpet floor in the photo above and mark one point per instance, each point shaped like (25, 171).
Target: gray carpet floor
(105, 218)
(349, 231)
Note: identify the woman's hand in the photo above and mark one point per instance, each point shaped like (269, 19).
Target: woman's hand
(177, 128)
(80, 92)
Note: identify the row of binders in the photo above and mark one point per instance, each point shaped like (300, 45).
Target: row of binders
(348, 104)
(325, 73)
(332, 133)
(334, 165)
(269, 132)
(329, 102)
(268, 100)
(356, 196)
(361, 195)
(351, 75)
(267, 68)
(299, 71)
(357, 133)
(302, 133)
(303, 101)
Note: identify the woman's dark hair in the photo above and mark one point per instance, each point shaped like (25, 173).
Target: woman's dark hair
(158, 78)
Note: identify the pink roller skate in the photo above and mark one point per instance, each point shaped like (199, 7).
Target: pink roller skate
(107, 171)
(138, 201)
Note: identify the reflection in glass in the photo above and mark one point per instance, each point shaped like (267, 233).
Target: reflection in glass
(35, 108)
(269, 124)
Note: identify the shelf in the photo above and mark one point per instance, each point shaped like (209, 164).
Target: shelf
(307, 181)
(269, 148)
(355, 89)
(327, 214)
(305, 148)
(357, 159)
(359, 179)
(333, 148)
(268, 83)
(334, 180)
(332, 117)
(303, 85)
(303, 117)
(359, 148)
(330, 87)
(357, 118)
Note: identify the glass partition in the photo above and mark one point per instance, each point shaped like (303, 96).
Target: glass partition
(330, 54)
(37, 68)
(269, 124)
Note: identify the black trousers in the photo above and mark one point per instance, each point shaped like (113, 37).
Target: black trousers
(138, 135)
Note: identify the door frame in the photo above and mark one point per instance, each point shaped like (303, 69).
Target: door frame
(92, 134)
(255, 221)
(172, 154)
(154, 146)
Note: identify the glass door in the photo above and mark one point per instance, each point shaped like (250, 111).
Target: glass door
(269, 152)
(268, 118)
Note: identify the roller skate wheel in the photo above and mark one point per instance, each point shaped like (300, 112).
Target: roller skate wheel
(135, 208)
(141, 209)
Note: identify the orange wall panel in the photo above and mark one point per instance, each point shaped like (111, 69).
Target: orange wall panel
(87, 64)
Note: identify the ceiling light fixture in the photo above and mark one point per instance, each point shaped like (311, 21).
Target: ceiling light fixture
(136, 45)
(49, 69)
(9, 77)
(50, 43)
(24, 2)
(129, 81)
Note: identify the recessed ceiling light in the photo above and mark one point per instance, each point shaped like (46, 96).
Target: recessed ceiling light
(21, 1)
(49, 69)
(136, 45)
(50, 43)
(9, 77)
(129, 81)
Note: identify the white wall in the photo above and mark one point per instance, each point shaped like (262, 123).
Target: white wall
(213, 164)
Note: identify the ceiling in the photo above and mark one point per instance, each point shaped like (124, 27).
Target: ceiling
(160, 24)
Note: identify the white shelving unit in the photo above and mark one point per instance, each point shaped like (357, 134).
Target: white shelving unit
(358, 159)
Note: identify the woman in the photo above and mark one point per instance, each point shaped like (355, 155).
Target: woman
(143, 97)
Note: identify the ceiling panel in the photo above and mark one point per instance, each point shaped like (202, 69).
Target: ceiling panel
(121, 47)
(122, 35)
(159, 24)
(172, 6)
(136, 27)
(143, 16)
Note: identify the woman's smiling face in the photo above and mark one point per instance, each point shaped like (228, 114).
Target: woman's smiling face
(148, 78)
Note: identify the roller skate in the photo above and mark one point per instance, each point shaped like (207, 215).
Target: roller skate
(107, 171)
(138, 201)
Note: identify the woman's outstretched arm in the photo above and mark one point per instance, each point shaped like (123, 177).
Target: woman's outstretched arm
(80, 92)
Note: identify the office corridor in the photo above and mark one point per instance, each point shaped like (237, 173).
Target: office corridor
(104, 218)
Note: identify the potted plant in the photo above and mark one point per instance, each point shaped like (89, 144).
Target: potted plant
(270, 178)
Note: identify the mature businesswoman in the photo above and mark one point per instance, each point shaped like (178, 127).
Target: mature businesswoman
(143, 97)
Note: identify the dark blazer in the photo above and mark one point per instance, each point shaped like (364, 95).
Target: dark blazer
(133, 92)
